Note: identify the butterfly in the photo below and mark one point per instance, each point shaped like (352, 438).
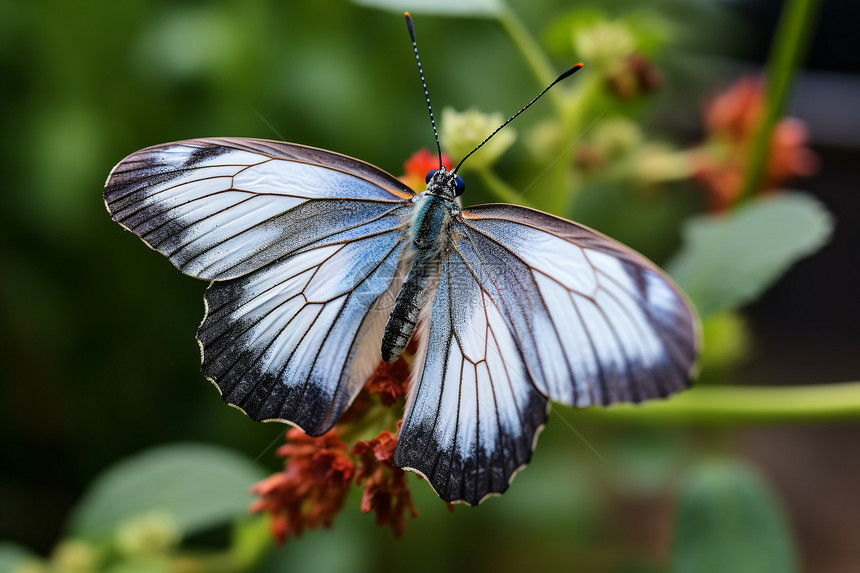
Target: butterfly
(321, 266)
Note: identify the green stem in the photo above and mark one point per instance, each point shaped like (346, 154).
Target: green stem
(540, 65)
(558, 189)
(570, 108)
(739, 405)
(563, 188)
(581, 102)
(503, 192)
(789, 46)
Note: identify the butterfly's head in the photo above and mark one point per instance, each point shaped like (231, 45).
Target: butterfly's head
(445, 184)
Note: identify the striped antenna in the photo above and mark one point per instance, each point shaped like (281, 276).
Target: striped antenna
(566, 74)
(424, 84)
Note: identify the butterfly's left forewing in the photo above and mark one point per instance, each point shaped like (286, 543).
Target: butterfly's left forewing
(595, 322)
(302, 246)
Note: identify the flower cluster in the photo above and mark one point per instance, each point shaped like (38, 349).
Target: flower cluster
(146, 542)
(731, 122)
(312, 488)
(319, 472)
(462, 132)
(605, 44)
(636, 77)
(386, 491)
(389, 381)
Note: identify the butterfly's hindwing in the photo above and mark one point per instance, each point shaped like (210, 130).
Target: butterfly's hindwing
(472, 413)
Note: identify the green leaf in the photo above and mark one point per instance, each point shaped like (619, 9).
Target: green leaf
(728, 260)
(729, 520)
(477, 8)
(13, 556)
(198, 486)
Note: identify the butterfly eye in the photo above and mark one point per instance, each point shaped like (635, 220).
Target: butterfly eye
(459, 186)
(430, 175)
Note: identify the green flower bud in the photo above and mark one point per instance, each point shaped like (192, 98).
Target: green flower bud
(545, 140)
(658, 163)
(605, 45)
(462, 132)
(150, 534)
(74, 556)
(616, 137)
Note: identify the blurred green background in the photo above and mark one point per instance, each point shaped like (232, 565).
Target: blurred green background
(98, 360)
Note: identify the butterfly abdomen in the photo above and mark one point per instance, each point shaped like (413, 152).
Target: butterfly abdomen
(427, 234)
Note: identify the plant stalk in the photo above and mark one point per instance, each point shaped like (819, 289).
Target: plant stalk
(793, 33)
(739, 405)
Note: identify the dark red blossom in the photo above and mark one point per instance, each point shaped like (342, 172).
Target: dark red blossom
(312, 488)
(386, 491)
(389, 381)
(638, 77)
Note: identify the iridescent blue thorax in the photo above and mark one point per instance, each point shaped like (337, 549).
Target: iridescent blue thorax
(435, 207)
